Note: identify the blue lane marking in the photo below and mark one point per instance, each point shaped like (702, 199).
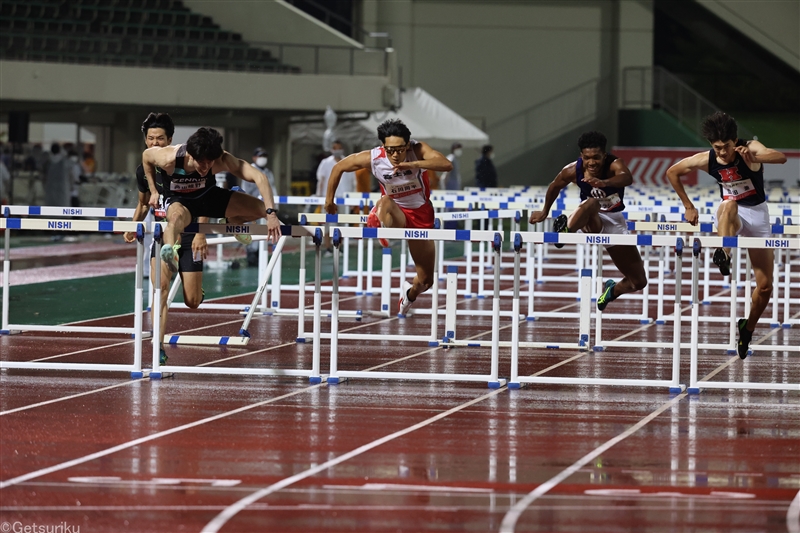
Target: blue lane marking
(35, 210)
(631, 226)
(14, 223)
(644, 240)
(452, 269)
(730, 242)
(224, 340)
(777, 228)
(706, 227)
(369, 233)
(462, 234)
(503, 205)
(111, 211)
(586, 272)
(493, 213)
(282, 199)
(173, 339)
(387, 251)
(549, 236)
(787, 212)
(449, 204)
(658, 202)
(674, 210)
(332, 218)
(105, 225)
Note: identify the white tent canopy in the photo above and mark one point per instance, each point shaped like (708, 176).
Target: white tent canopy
(428, 119)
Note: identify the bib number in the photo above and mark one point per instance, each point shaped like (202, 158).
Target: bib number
(736, 190)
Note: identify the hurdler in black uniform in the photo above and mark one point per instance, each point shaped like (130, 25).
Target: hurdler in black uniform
(186, 262)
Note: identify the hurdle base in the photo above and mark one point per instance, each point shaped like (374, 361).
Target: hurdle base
(774, 325)
(514, 385)
(300, 340)
(731, 352)
(677, 390)
(530, 318)
(787, 326)
(335, 380)
(137, 375)
(693, 390)
(497, 384)
(598, 348)
(10, 331)
(660, 322)
(315, 379)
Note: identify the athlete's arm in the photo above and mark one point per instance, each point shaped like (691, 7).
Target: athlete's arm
(755, 152)
(139, 214)
(157, 157)
(561, 181)
(622, 176)
(199, 243)
(681, 168)
(351, 163)
(427, 159)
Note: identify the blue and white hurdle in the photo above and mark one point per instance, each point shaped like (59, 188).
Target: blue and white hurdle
(432, 340)
(104, 226)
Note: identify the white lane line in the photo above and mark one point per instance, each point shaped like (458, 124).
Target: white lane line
(148, 438)
(793, 515)
(222, 518)
(512, 516)
(70, 397)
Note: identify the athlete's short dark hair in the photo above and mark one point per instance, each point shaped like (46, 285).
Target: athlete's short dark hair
(205, 145)
(719, 126)
(592, 139)
(159, 120)
(393, 128)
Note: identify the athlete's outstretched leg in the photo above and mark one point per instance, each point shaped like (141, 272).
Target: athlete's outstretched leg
(424, 255)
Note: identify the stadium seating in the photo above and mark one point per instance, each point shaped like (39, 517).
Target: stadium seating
(157, 33)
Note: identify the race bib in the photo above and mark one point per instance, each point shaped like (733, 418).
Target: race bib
(188, 186)
(403, 190)
(736, 190)
(608, 203)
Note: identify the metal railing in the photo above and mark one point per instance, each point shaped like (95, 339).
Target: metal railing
(658, 88)
(167, 53)
(544, 121)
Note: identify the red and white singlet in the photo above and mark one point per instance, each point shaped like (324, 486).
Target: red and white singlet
(408, 188)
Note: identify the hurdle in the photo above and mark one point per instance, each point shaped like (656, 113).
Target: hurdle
(158, 371)
(336, 375)
(135, 368)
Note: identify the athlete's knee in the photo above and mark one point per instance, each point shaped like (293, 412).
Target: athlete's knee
(639, 281)
(192, 301)
(764, 288)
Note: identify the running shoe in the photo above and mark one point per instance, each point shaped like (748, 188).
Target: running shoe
(405, 302)
(723, 261)
(560, 226)
(745, 336)
(162, 357)
(169, 254)
(607, 296)
(374, 222)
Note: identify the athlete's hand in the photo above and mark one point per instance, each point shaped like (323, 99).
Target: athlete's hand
(129, 236)
(594, 182)
(746, 154)
(273, 228)
(538, 216)
(691, 215)
(405, 165)
(200, 244)
(153, 201)
(330, 206)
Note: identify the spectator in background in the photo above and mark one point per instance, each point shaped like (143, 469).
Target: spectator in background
(485, 173)
(88, 165)
(363, 185)
(57, 178)
(452, 180)
(346, 184)
(260, 159)
(74, 170)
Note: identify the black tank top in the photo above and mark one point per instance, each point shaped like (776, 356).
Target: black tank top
(736, 181)
(191, 184)
(610, 198)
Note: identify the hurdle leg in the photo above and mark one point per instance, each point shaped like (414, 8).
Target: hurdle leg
(315, 375)
(360, 266)
(693, 388)
(158, 335)
(370, 266)
(346, 257)
(386, 282)
(530, 273)
(586, 308)
(661, 280)
(275, 292)
(173, 290)
(137, 306)
(6, 272)
(513, 381)
(301, 293)
(440, 262)
(747, 281)
(787, 280)
(676, 323)
(645, 319)
(450, 303)
(734, 295)
(776, 295)
(707, 275)
(403, 263)
(598, 316)
(481, 269)
(263, 258)
(333, 377)
(494, 383)
(468, 247)
(435, 300)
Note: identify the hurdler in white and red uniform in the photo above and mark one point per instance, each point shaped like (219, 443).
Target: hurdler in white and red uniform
(400, 165)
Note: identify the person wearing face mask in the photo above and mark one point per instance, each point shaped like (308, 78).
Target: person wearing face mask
(485, 173)
(346, 184)
(452, 180)
(260, 159)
